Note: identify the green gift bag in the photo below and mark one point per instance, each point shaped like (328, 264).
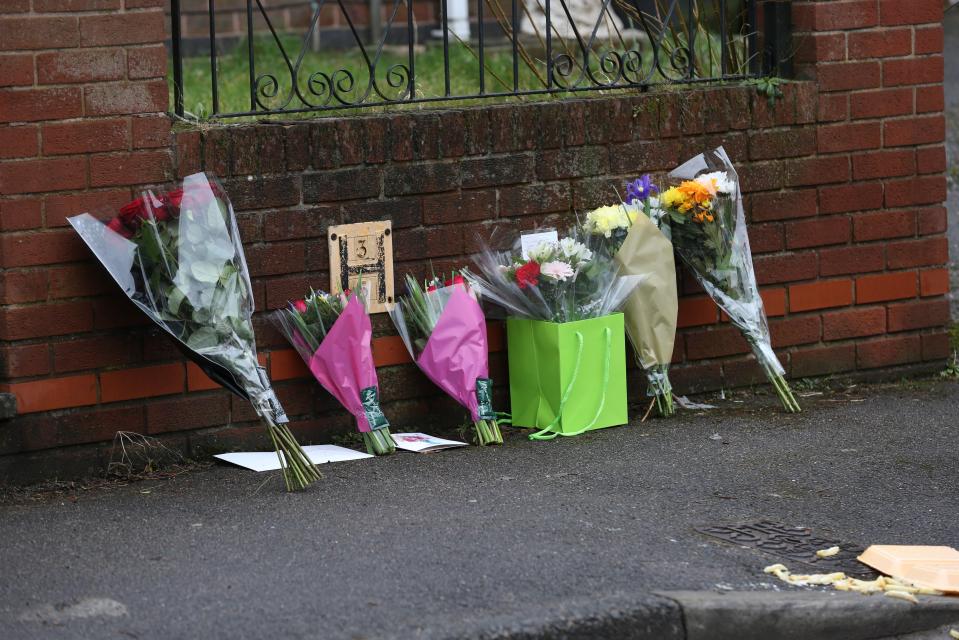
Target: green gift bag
(567, 378)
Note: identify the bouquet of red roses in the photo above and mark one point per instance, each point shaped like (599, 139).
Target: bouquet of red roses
(178, 257)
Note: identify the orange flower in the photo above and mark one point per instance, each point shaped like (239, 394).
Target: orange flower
(703, 216)
(696, 192)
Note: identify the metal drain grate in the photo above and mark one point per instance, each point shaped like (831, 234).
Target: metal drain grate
(797, 544)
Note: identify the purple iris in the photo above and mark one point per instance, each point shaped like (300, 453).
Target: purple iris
(640, 188)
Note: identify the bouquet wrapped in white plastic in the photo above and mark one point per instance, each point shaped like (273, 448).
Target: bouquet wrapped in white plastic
(705, 213)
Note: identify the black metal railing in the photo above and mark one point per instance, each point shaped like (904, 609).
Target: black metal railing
(537, 47)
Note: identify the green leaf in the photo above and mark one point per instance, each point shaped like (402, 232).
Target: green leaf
(203, 338)
(220, 249)
(205, 271)
(215, 221)
(206, 298)
(194, 233)
(225, 302)
(149, 242)
(174, 299)
(242, 328)
(227, 273)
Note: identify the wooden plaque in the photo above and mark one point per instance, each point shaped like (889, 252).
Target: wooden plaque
(364, 249)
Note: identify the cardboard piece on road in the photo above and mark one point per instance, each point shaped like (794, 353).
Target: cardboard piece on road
(423, 443)
(268, 461)
(934, 567)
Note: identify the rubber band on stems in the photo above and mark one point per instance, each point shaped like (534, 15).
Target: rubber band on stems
(546, 432)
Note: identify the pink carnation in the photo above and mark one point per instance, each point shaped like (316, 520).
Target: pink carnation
(557, 270)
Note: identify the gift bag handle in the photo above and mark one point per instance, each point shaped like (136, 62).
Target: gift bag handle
(545, 433)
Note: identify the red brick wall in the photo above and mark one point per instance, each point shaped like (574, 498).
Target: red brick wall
(879, 70)
(844, 180)
(82, 101)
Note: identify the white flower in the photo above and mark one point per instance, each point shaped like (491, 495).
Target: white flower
(717, 182)
(656, 214)
(556, 270)
(542, 252)
(574, 251)
(566, 246)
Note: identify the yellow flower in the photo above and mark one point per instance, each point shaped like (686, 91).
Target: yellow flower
(672, 198)
(606, 219)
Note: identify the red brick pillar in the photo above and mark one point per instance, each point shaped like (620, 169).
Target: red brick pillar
(83, 97)
(881, 184)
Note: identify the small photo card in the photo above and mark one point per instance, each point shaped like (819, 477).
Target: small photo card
(423, 443)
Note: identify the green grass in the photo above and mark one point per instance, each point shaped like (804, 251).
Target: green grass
(233, 81)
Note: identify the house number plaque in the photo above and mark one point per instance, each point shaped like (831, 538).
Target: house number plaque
(363, 250)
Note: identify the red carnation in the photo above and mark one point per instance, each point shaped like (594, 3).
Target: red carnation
(117, 226)
(528, 275)
(455, 281)
(300, 305)
(431, 288)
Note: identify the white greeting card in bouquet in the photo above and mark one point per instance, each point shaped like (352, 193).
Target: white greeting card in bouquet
(529, 241)
(423, 443)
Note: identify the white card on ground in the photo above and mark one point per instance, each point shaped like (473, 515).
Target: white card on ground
(268, 461)
(423, 443)
(529, 241)
(254, 460)
(320, 453)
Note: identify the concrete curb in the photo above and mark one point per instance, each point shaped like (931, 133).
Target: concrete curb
(615, 617)
(727, 615)
(806, 615)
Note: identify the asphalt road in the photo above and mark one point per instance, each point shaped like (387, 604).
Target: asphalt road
(467, 542)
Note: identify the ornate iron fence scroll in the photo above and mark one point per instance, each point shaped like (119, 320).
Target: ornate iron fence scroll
(551, 46)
